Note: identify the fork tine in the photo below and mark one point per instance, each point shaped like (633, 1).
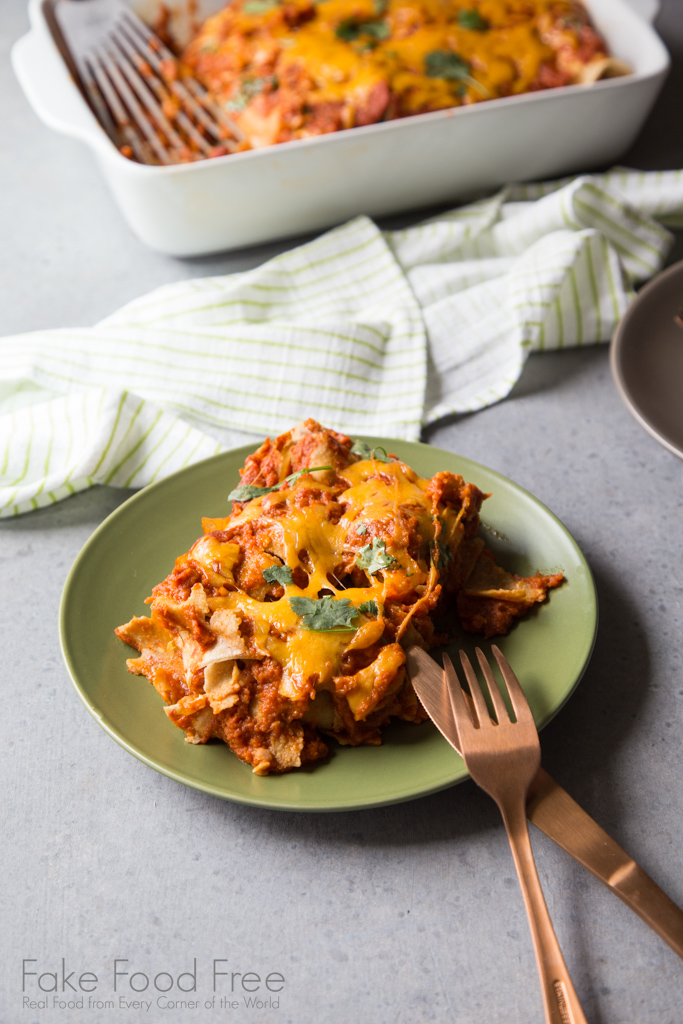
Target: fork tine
(496, 698)
(459, 707)
(475, 690)
(518, 699)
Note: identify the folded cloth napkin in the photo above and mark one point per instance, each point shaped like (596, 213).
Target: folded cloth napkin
(369, 332)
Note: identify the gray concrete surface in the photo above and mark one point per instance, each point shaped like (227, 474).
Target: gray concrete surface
(404, 915)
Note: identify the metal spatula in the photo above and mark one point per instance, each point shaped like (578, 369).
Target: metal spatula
(151, 112)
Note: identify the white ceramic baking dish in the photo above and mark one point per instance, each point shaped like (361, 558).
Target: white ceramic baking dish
(301, 186)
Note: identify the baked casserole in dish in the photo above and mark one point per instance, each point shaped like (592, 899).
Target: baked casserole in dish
(402, 159)
(292, 69)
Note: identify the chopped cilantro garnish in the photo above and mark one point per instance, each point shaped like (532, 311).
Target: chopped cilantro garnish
(452, 67)
(347, 30)
(281, 574)
(250, 87)
(446, 64)
(361, 529)
(444, 555)
(369, 608)
(472, 20)
(377, 29)
(247, 492)
(259, 6)
(375, 557)
(325, 613)
(351, 28)
(363, 449)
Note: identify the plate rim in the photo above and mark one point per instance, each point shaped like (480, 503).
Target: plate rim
(617, 360)
(283, 805)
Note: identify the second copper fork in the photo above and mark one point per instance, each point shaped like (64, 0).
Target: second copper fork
(503, 758)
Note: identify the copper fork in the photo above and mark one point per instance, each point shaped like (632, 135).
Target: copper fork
(503, 758)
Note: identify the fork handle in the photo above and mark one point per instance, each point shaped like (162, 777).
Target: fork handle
(560, 1001)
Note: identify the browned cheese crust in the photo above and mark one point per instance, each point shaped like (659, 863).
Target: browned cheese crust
(373, 550)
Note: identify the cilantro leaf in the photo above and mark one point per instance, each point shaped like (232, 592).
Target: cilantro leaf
(450, 66)
(325, 613)
(347, 30)
(376, 29)
(444, 555)
(363, 449)
(250, 86)
(446, 64)
(375, 557)
(472, 20)
(281, 574)
(247, 492)
(350, 29)
(369, 607)
(361, 529)
(259, 6)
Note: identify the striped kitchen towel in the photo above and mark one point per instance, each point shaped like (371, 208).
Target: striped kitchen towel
(369, 332)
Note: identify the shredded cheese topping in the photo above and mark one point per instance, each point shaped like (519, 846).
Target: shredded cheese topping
(292, 69)
(291, 614)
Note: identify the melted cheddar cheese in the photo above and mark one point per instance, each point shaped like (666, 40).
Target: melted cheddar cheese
(289, 617)
(288, 69)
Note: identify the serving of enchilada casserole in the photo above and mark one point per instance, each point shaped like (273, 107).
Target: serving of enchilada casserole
(287, 620)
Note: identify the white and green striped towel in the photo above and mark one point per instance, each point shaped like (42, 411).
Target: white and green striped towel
(369, 332)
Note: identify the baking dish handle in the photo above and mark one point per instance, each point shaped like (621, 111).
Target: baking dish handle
(46, 82)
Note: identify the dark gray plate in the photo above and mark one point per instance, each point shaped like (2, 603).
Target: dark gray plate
(647, 359)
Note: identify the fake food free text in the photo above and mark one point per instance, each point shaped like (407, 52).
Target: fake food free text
(120, 976)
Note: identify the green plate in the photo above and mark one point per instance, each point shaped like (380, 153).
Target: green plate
(135, 548)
